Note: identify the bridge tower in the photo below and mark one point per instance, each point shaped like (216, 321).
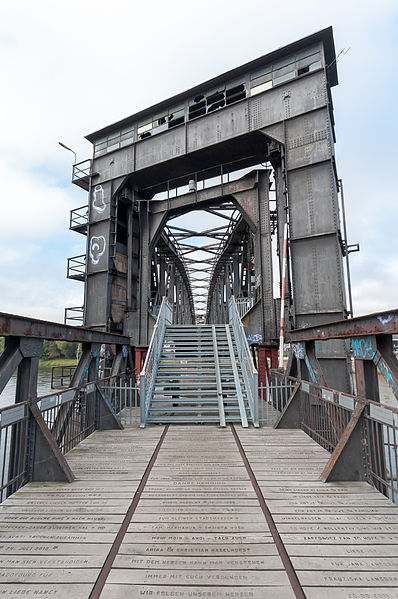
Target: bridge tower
(153, 166)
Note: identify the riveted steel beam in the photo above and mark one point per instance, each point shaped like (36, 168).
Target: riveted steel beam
(370, 324)
(21, 326)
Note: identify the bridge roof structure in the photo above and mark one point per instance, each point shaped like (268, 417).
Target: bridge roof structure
(324, 35)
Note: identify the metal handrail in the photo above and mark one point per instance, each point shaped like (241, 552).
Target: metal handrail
(76, 267)
(74, 313)
(78, 217)
(244, 305)
(81, 169)
(249, 371)
(69, 415)
(148, 373)
(325, 415)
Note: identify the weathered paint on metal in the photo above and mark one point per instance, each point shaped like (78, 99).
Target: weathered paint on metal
(22, 326)
(370, 324)
(346, 461)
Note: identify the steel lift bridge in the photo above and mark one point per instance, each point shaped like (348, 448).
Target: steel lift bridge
(195, 208)
(253, 149)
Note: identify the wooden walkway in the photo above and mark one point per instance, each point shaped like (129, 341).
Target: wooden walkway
(218, 513)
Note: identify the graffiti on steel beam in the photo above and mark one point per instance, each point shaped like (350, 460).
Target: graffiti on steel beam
(363, 348)
(299, 350)
(98, 202)
(256, 338)
(97, 248)
(310, 369)
(385, 319)
(386, 372)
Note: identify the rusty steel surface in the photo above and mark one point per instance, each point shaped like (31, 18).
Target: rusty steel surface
(60, 468)
(342, 446)
(21, 326)
(370, 324)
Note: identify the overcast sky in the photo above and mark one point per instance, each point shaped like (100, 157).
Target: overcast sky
(69, 68)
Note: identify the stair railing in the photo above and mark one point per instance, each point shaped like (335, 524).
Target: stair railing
(148, 373)
(249, 371)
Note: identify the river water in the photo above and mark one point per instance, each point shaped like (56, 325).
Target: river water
(7, 397)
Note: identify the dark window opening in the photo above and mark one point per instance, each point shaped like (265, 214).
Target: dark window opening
(173, 122)
(235, 94)
(216, 105)
(215, 101)
(215, 98)
(198, 108)
(303, 70)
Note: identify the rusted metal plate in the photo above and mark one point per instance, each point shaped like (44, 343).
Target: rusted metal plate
(21, 326)
(371, 324)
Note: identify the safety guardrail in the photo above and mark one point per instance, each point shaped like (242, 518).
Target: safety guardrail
(244, 305)
(79, 218)
(148, 373)
(81, 173)
(74, 314)
(76, 268)
(333, 418)
(58, 421)
(249, 371)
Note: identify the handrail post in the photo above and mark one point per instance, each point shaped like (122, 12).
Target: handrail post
(250, 375)
(142, 400)
(149, 371)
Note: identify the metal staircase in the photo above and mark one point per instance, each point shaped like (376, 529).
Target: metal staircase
(198, 378)
(200, 374)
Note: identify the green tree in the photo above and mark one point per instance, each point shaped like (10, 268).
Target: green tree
(44, 351)
(53, 351)
(67, 349)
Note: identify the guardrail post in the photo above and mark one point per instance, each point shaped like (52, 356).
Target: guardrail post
(348, 460)
(46, 463)
(107, 419)
(142, 400)
(36, 450)
(9, 360)
(291, 416)
(255, 394)
(26, 390)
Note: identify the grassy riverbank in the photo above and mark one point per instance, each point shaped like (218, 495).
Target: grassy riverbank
(57, 362)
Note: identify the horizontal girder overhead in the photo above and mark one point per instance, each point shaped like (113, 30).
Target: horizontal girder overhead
(369, 324)
(203, 198)
(21, 326)
(246, 150)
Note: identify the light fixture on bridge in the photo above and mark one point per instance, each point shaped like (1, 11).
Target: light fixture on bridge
(70, 150)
